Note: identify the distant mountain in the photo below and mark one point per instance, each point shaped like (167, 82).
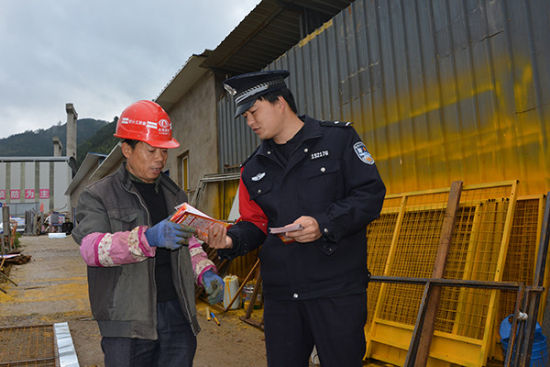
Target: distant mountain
(102, 141)
(39, 142)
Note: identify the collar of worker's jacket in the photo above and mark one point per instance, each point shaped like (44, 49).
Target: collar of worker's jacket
(311, 130)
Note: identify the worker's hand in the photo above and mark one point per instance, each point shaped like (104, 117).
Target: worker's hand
(310, 230)
(214, 286)
(218, 238)
(169, 235)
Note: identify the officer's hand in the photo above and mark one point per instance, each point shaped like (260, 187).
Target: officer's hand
(218, 238)
(203, 236)
(309, 233)
(169, 235)
(214, 286)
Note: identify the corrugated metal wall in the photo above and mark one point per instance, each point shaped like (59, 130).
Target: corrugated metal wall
(438, 90)
(236, 139)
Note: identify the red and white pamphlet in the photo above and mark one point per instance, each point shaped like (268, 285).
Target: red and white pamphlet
(190, 216)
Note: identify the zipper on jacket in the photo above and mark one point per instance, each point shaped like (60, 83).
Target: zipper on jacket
(181, 281)
(155, 316)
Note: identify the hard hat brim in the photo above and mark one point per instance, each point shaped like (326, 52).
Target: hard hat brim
(164, 144)
(170, 144)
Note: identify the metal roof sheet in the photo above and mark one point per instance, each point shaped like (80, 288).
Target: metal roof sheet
(268, 31)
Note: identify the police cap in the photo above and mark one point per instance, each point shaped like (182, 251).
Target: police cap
(247, 88)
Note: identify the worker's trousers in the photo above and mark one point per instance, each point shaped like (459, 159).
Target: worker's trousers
(175, 346)
(334, 325)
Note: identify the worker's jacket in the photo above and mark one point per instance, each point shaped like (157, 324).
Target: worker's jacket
(331, 177)
(111, 213)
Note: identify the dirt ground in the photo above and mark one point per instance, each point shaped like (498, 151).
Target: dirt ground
(52, 288)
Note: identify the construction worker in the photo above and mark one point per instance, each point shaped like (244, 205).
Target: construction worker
(317, 180)
(141, 266)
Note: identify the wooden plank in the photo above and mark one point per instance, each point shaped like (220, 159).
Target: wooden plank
(420, 345)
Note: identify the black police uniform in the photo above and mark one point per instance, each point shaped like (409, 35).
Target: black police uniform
(324, 172)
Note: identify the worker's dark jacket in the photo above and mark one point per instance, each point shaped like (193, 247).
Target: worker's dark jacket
(123, 298)
(331, 177)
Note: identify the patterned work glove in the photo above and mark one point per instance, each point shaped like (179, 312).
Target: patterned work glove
(214, 286)
(169, 235)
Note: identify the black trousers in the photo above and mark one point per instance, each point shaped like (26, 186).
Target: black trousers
(175, 346)
(334, 325)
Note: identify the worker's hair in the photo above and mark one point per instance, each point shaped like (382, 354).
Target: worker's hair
(285, 93)
(131, 142)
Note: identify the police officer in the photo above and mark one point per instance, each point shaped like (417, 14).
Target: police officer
(316, 180)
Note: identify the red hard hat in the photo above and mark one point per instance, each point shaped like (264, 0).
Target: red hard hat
(146, 121)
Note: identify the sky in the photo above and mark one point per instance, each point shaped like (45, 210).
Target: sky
(99, 55)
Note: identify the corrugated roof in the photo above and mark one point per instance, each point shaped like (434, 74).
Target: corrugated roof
(268, 31)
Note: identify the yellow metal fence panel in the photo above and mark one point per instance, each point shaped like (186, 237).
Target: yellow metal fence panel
(492, 241)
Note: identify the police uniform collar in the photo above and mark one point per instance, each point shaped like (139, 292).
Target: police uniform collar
(311, 130)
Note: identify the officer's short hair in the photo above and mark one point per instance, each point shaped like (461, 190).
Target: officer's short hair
(285, 93)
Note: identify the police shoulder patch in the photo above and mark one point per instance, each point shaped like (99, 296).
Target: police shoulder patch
(361, 150)
(336, 123)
